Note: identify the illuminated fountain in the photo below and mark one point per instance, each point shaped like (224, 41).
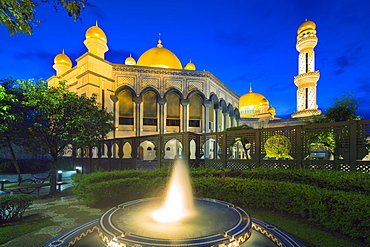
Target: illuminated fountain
(176, 220)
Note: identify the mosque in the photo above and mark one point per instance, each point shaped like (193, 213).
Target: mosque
(156, 94)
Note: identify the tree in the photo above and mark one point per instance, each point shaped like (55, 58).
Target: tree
(12, 118)
(61, 118)
(245, 143)
(278, 146)
(342, 109)
(19, 15)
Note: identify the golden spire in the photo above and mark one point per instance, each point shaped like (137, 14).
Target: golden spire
(96, 23)
(159, 41)
(250, 87)
(63, 51)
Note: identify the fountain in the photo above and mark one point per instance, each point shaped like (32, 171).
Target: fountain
(178, 219)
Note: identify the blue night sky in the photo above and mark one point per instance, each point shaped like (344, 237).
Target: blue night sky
(240, 42)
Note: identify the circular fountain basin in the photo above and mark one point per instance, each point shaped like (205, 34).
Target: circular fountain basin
(216, 223)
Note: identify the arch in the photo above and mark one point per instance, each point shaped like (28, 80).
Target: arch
(237, 116)
(150, 106)
(230, 110)
(193, 149)
(174, 90)
(223, 106)
(210, 149)
(115, 150)
(94, 151)
(105, 151)
(144, 154)
(201, 94)
(127, 151)
(173, 149)
(195, 110)
(147, 89)
(173, 109)
(125, 107)
(238, 151)
(125, 87)
(215, 101)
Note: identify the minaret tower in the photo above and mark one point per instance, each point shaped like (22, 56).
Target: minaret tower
(307, 77)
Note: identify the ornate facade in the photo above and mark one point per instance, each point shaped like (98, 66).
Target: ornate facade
(154, 95)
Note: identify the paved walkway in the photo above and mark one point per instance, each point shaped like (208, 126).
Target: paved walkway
(65, 212)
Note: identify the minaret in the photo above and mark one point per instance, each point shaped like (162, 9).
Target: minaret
(307, 77)
(96, 41)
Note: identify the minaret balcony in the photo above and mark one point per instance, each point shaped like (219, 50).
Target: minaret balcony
(308, 42)
(307, 79)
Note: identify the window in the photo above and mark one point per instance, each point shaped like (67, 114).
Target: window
(125, 108)
(150, 108)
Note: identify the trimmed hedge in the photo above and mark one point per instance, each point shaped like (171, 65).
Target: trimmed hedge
(12, 207)
(348, 213)
(336, 207)
(333, 180)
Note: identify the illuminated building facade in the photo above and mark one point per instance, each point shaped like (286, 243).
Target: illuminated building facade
(153, 95)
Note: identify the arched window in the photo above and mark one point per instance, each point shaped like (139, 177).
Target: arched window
(150, 108)
(195, 110)
(125, 108)
(173, 109)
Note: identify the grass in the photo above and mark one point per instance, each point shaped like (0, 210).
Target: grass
(308, 233)
(27, 224)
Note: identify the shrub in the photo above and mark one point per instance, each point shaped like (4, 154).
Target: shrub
(348, 213)
(13, 206)
(335, 200)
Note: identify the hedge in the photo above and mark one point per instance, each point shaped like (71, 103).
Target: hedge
(333, 180)
(336, 207)
(12, 207)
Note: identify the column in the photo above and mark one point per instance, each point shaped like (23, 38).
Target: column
(207, 105)
(138, 115)
(184, 122)
(162, 116)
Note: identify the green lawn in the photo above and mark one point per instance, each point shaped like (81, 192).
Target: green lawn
(28, 224)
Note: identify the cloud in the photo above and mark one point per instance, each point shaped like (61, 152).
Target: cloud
(350, 58)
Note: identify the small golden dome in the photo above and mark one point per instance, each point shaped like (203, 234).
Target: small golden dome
(306, 26)
(159, 57)
(130, 61)
(63, 59)
(264, 101)
(96, 32)
(271, 110)
(190, 66)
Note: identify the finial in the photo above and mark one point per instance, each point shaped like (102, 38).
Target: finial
(305, 19)
(63, 51)
(250, 88)
(190, 60)
(159, 41)
(96, 23)
(130, 54)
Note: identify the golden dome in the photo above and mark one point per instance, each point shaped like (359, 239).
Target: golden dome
(306, 26)
(271, 110)
(96, 32)
(130, 61)
(252, 104)
(63, 59)
(190, 66)
(159, 57)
